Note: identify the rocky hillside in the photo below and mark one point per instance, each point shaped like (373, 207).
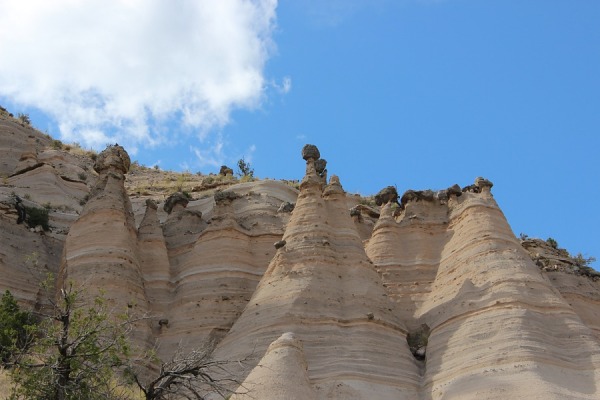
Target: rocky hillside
(428, 295)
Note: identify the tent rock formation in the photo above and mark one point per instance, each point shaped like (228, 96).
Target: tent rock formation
(351, 282)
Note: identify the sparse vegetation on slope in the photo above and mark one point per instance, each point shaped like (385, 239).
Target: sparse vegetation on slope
(549, 257)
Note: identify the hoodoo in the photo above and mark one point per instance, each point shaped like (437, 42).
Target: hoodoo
(322, 287)
(426, 295)
(101, 249)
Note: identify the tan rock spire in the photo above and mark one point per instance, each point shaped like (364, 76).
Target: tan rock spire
(321, 286)
(216, 264)
(453, 263)
(407, 252)
(280, 374)
(101, 251)
(154, 264)
(491, 303)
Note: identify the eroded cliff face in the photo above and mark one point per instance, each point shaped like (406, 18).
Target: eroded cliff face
(426, 297)
(488, 307)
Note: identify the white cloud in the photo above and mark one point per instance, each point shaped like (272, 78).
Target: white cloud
(211, 153)
(284, 87)
(250, 153)
(287, 84)
(109, 70)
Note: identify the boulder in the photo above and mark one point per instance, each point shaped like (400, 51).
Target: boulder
(426, 195)
(310, 151)
(386, 195)
(409, 195)
(454, 190)
(320, 166)
(175, 198)
(113, 157)
(286, 207)
(483, 183)
(225, 196)
(151, 204)
(225, 170)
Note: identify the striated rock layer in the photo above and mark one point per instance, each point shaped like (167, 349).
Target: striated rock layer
(426, 297)
(280, 374)
(321, 286)
(101, 249)
(499, 329)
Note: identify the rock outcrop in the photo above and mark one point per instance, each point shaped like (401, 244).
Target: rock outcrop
(280, 374)
(430, 296)
(101, 250)
(322, 287)
(458, 268)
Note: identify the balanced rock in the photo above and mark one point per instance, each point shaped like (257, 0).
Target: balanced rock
(386, 195)
(482, 183)
(320, 166)
(174, 199)
(113, 157)
(310, 151)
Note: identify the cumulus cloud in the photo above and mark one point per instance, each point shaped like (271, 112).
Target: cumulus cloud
(110, 70)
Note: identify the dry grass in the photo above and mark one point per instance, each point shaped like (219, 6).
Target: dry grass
(5, 384)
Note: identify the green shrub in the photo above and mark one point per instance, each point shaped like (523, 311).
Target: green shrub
(582, 261)
(37, 216)
(24, 119)
(14, 328)
(57, 144)
(553, 243)
(244, 168)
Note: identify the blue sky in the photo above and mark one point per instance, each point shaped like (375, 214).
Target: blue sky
(413, 93)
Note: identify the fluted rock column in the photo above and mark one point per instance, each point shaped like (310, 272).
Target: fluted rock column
(216, 265)
(498, 328)
(155, 265)
(321, 286)
(406, 250)
(101, 252)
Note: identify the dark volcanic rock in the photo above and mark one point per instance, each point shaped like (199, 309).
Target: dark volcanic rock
(320, 166)
(386, 195)
(310, 151)
(225, 170)
(175, 198)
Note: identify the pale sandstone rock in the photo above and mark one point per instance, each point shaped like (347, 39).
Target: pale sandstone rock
(155, 266)
(501, 327)
(28, 159)
(280, 374)
(468, 278)
(322, 287)
(101, 249)
(216, 266)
